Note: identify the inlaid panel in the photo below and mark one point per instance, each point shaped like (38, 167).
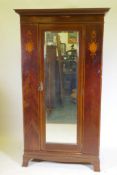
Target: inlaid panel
(30, 85)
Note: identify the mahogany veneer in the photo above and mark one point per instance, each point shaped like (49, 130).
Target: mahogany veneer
(89, 23)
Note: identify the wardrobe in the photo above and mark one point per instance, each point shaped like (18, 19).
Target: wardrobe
(61, 84)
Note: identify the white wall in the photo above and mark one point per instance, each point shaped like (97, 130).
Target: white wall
(11, 127)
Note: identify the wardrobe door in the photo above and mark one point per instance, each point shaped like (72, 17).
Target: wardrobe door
(29, 34)
(61, 86)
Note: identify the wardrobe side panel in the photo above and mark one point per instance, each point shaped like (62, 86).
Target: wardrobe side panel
(92, 88)
(29, 35)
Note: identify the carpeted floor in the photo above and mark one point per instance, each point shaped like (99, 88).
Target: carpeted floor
(66, 113)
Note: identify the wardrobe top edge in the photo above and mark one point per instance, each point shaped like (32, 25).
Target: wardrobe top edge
(59, 12)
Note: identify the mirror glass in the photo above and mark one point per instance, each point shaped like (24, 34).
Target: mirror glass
(61, 54)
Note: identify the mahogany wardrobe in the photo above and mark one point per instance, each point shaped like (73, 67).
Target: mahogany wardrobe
(61, 82)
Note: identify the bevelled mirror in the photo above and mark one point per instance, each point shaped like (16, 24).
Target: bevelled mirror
(61, 54)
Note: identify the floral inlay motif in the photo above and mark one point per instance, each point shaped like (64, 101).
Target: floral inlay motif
(29, 45)
(93, 45)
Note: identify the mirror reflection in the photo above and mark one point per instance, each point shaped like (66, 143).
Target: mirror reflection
(61, 51)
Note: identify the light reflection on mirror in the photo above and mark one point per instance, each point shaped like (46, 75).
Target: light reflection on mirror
(61, 52)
